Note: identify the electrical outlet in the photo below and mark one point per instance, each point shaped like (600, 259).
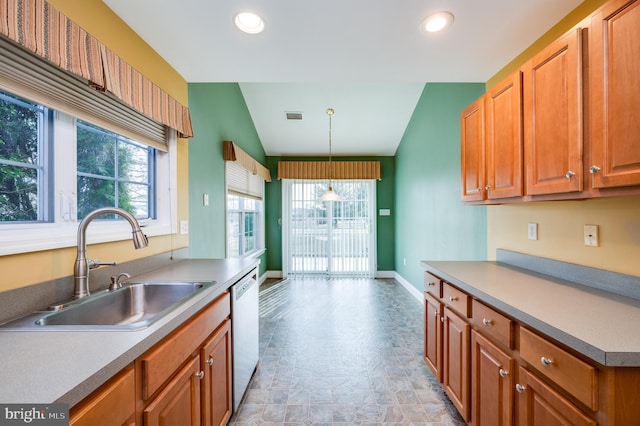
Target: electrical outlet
(591, 235)
(532, 231)
(184, 227)
(205, 199)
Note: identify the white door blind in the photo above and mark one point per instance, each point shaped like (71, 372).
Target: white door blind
(335, 238)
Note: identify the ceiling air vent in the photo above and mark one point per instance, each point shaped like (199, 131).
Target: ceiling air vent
(294, 115)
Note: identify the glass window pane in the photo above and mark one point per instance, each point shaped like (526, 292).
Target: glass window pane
(96, 152)
(134, 198)
(233, 229)
(133, 162)
(18, 194)
(19, 132)
(94, 193)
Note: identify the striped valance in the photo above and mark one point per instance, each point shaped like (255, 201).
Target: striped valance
(41, 29)
(320, 170)
(231, 152)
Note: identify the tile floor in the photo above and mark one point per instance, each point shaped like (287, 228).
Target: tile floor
(342, 351)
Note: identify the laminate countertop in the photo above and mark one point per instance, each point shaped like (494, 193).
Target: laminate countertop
(601, 325)
(66, 366)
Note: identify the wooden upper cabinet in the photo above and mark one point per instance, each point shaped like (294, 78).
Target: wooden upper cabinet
(472, 151)
(552, 117)
(614, 83)
(503, 150)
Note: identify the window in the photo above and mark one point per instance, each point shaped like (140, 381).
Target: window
(23, 166)
(243, 225)
(55, 169)
(113, 171)
(245, 215)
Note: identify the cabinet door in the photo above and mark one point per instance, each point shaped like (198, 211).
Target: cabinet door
(112, 405)
(433, 335)
(539, 405)
(552, 104)
(456, 361)
(216, 364)
(179, 401)
(614, 68)
(503, 150)
(492, 384)
(472, 151)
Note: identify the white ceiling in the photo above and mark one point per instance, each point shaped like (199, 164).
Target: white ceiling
(366, 59)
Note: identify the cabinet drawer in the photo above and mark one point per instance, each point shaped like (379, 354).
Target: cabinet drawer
(433, 285)
(493, 324)
(456, 299)
(159, 364)
(570, 373)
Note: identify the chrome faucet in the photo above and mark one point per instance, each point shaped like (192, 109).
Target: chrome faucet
(81, 268)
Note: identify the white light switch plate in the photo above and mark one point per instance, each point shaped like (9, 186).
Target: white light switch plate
(532, 231)
(184, 227)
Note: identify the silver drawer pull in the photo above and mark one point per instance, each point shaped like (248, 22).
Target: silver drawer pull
(210, 361)
(503, 373)
(442, 319)
(520, 388)
(452, 298)
(200, 375)
(546, 361)
(594, 169)
(569, 174)
(431, 284)
(486, 321)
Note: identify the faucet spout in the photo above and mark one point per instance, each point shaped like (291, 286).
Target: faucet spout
(81, 267)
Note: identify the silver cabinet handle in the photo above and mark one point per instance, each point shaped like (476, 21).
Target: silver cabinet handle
(435, 314)
(487, 187)
(594, 169)
(520, 388)
(209, 362)
(200, 375)
(431, 284)
(546, 361)
(478, 190)
(486, 321)
(569, 174)
(442, 319)
(452, 298)
(503, 373)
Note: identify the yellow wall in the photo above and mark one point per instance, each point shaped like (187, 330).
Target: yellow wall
(96, 18)
(561, 223)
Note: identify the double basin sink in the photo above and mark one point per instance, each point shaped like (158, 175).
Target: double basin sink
(131, 307)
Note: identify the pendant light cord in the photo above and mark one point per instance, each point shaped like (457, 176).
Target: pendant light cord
(330, 112)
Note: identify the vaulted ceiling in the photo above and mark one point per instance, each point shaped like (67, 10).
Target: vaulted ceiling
(369, 60)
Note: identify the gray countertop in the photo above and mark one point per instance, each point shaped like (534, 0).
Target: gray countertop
(59, 366)
(601, 325)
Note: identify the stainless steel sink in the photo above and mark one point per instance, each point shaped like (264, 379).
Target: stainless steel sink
(133, 306)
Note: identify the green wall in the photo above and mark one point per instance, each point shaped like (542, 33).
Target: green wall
(218, 113)
(384, 200)
(431, 223)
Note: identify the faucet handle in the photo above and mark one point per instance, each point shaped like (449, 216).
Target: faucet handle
(95, 263)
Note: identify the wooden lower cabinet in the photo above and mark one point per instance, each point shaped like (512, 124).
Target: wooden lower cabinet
(540, 405)
(433, 335)
(216, 364)
(111, 405)
(456, 361)
(179, 402)
(492, 383)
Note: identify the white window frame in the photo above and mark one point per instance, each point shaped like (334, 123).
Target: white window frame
(62, 231)
(242, 183)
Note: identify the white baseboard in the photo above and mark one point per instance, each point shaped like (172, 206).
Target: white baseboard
(273, 274)
(385, 274)
(410, 288)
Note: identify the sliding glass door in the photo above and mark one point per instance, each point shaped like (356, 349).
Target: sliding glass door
(334, 238)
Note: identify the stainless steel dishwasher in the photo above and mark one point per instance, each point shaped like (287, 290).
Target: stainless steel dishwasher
(244, 333)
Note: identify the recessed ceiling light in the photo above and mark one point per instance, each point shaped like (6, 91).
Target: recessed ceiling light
(437, 22)
(249, 22)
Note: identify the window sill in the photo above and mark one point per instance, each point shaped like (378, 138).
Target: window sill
(18, 239)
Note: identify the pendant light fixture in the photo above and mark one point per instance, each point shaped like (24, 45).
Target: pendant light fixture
(330, 195)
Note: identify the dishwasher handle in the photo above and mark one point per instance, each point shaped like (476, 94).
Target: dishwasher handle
(243, 286)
